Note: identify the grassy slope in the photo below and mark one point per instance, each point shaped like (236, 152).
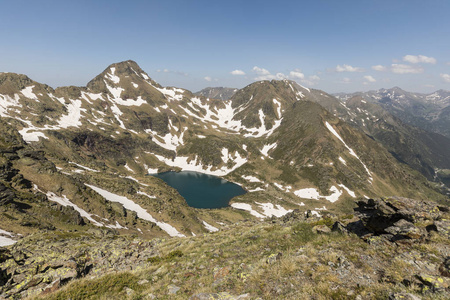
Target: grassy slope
(241, 260)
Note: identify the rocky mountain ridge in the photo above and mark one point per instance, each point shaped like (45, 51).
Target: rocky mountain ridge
(222, 93)
(427, 111)
(74, 163)
(273, 137)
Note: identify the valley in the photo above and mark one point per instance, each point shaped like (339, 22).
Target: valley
(76, 162)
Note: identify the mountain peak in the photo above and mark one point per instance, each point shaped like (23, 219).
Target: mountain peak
(11, 83)
(117, 72)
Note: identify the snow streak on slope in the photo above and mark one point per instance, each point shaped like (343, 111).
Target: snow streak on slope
(331, 129)
(269, 209)
(7, 101)
(66, 202)
(170, 141)
(251, 178)
(141, 212)
(209, 227)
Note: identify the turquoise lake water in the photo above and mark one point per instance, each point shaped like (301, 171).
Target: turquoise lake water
(202, 190)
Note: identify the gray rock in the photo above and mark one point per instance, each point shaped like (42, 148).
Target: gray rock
(403, 296)
(321, 229)
(173, 289)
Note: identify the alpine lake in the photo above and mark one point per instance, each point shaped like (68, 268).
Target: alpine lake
(202, 190)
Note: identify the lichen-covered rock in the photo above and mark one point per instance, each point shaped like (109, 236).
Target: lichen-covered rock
(433, 283)
(404, 228)
(32, 266)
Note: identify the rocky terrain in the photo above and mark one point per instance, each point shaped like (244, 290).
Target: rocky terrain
(390, 248)
(221, 93)
(80, 217)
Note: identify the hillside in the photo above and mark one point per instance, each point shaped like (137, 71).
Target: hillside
(74, 162)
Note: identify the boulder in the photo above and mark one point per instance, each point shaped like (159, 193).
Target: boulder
(403, 228)
(321, 229)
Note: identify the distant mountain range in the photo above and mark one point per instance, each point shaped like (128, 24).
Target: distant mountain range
(222, 93)
(430, 112)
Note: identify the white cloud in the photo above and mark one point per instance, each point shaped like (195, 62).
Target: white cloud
(379, 68)
(172, 72)
(263, 74)
(207, 78)
(296, 74)
(347, 68)
(369, 78)
(446, 77)
(265, 77)
(260, 71)
(415, 59)
(405, 69)
(237, 72)
(312, 80)
(280, 76)
(346, 80)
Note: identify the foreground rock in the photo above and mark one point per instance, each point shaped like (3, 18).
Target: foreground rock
(42, 263)
(399, 219)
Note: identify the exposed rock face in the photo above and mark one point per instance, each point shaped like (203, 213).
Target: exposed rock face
(396, 218)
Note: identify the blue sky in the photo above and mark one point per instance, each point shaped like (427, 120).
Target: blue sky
(336, 46)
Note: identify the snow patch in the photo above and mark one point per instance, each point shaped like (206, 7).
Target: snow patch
(7, 101)
(312, 193)
(278, 104)
(269, 209)
(251, 178)
(72, 119)
(333, 131)
(145, 194)
(6, 241)
(128, 168)
(187, 164)
(141, 212)
(28, 92)
(64, 201)
(265, 150)
(152, 170)
(209, 227)
(247, 207)
(258, 189)
(112, 76)
(83, 167)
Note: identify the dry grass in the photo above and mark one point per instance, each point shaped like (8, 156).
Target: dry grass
(306, 269)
